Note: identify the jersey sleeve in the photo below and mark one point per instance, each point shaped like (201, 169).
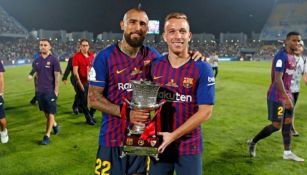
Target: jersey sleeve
(99, 71)
(1, 67)
(56, 64)
(75, 60)
(280, 62)
(33, 67)
(206, 85)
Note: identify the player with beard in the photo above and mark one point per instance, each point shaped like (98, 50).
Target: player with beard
(112, 70)
(280, 99)
(109, 81)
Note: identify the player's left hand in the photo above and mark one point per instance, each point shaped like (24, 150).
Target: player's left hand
(168, 138)
(196, 55)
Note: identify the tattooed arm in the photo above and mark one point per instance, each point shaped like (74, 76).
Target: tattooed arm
(99, 102)
(56, 82)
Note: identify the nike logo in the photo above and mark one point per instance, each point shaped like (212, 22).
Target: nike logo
(120, 71)
(157, 77)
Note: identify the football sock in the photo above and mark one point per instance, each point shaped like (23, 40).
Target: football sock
(265, 132)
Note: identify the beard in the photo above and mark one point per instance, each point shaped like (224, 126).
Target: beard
(134, 42)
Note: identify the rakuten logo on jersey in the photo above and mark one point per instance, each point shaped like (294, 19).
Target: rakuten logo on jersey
(124, 86)
(169, 96)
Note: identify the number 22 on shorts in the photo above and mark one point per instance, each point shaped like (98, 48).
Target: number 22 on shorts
(106, 165)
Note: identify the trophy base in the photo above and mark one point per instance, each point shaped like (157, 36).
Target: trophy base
(133, 145)
(140, 151)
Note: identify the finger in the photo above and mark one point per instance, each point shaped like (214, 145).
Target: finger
(140, 117)
(161, 148)
(142, 110)
(160, 133)
(141, 113)
(139, 123)
(203, 58)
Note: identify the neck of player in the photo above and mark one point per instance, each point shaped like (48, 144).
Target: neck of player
(86, 54)
(289, 50)
(127, 49)
(45, 55)
(178, 59)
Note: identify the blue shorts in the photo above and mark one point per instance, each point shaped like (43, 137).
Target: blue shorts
(2, 112)
(108, 161)
(171, 161)
(277, 111)
(47, 102)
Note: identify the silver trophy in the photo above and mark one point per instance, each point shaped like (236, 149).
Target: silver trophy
(143, 140)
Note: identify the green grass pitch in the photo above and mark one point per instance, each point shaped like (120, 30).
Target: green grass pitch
(240, 112)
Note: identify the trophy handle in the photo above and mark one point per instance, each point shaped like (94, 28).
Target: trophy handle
(127, 101)
(162, 102)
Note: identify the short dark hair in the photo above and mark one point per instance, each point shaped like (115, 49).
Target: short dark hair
(47, 40)
(137, 9)
(84, 40)
(293, 33)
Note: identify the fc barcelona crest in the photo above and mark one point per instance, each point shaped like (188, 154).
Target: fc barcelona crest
(48, 63)
(129, 141)
(187, 82)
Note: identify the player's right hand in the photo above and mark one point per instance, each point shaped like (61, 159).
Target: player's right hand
(30, 77)
(82, 88)
(139, 117)
(65, 82)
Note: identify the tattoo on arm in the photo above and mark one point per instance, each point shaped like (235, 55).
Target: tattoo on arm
(99, 102)
(56, 81)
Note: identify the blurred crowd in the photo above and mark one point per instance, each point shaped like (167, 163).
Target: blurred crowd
(24, 49)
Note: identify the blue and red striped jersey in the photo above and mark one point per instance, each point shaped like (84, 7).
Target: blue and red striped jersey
(112, 69)
(185, 88)
(285, 63)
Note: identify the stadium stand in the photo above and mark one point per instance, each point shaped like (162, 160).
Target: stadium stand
(9, 27)
(287, 15)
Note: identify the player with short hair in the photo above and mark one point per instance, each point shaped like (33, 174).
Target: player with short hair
(280, 99)
(193, 87)
(110, 76)
(47, 69)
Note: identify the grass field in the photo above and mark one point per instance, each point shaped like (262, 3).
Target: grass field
(239, 113)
